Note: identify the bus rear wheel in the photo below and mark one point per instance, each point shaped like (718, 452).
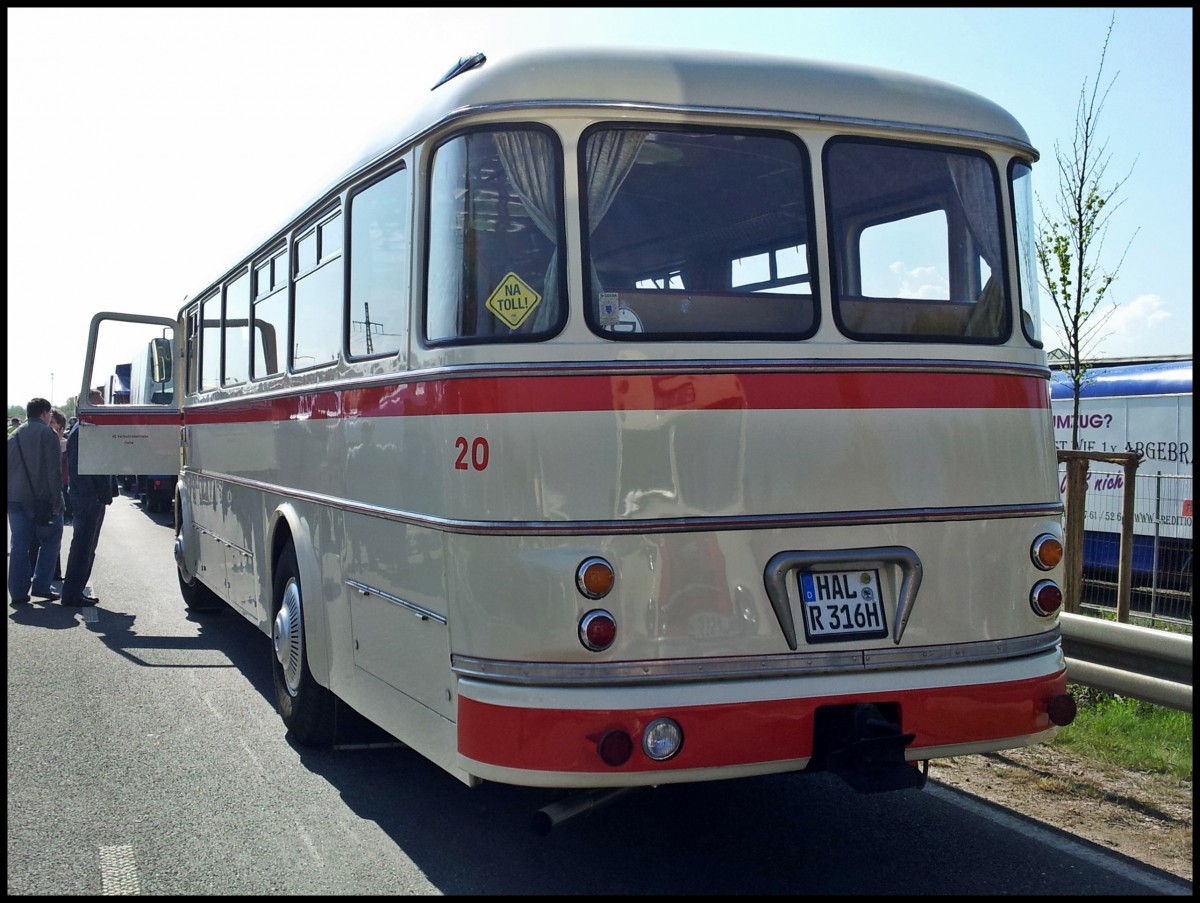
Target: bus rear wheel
(307, 708)
(196, 596)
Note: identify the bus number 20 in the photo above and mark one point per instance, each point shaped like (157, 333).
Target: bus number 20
(475, 450)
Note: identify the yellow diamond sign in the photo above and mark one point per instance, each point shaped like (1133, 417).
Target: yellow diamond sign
(513, 300)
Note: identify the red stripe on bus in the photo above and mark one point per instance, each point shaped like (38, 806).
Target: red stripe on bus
(564, 740)
(535, 394)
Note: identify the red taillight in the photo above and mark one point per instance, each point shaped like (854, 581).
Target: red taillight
(1061, 709)
(615, 748)
(1045, 598)
(597, 630)
(1046, 551)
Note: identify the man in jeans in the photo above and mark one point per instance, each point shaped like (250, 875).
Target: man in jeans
(90, 495)
(34, 475)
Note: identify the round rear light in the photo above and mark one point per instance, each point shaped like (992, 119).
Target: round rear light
(595, 578)
(615, 748)
(1045, 598)
(597, 630)
(1061, 709)
(1046, 551)
(662, 739)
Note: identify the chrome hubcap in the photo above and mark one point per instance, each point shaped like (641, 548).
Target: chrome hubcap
(288, 637)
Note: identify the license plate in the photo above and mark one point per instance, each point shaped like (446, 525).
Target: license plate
(841, 604)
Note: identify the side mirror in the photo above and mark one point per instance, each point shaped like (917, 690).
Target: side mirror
(160, 360)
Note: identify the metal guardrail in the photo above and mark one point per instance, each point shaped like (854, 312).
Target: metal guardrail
(1142, 662)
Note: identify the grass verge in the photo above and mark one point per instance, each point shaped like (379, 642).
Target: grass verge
(1129, 733)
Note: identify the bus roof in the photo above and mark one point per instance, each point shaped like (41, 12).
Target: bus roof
(1134, 378)
(714, 81)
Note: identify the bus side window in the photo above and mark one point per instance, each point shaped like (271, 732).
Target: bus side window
(209, 374)
(316, 336)
(192, 351)
(1025, 224)
(236, 330)
(379, 266)
(270, 323)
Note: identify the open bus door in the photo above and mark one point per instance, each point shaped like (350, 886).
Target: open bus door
(141, 436)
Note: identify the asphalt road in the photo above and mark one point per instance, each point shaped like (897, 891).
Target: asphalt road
(145, 756)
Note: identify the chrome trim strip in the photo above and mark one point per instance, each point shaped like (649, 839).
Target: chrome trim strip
(706, 366)
(782, 564)
(648, 525)
(425, 614)
(204, 531)
(795, 664)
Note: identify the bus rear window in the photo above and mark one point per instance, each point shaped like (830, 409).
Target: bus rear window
(916, 241)
(697, 234)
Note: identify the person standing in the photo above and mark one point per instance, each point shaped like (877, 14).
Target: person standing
(60, 426)
(34, 504)
(91, 494)
(58, 423)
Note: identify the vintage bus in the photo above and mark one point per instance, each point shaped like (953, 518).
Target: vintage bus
(634, 418)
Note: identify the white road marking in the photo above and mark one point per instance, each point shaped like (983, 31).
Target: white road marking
(118, 872)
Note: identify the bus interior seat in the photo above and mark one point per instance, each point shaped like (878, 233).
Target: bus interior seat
(716, 312)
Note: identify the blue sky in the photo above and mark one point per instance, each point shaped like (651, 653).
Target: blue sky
(148, 149)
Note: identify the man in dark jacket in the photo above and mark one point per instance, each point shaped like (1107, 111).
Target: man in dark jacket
(34, 476)
(91, 494)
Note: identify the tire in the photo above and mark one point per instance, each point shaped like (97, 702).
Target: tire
(197, 596)
(307, 708)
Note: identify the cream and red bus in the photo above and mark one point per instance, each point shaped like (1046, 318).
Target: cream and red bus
(631, 418)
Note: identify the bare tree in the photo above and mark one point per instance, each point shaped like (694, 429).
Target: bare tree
(1070, 242)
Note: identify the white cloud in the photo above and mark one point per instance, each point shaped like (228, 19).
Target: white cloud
(1146, 326)
(917, 282)
(1144, 311)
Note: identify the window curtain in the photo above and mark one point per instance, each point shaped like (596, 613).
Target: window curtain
(977, 193)
(610, 158)
(530, 169)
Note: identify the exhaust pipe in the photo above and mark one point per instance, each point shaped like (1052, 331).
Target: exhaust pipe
(545, 819)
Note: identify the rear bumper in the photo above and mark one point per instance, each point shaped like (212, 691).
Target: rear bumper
(547, 736)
